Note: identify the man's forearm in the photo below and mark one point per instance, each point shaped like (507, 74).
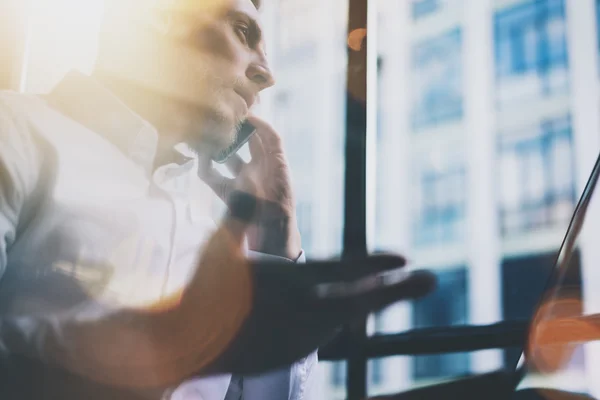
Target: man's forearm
(145, 348)
(125, 348)
(22, 377)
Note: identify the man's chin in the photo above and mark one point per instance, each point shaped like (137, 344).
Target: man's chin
(213, 138)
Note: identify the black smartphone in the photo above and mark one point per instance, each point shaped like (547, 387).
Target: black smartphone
(244, 133)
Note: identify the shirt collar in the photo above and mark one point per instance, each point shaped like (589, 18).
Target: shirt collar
(86, 101)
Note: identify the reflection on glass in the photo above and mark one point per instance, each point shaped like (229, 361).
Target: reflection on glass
(562, 350)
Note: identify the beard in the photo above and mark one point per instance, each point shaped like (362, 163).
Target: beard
(215, 133)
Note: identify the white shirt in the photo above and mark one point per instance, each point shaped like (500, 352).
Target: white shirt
(79, 197)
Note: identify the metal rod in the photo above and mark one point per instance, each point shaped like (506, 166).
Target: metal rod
(355, 224)
(433, 340)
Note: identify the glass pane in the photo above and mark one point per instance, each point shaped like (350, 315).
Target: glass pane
(483, 198)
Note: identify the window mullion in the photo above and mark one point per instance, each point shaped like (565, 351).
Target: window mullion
(355, 224)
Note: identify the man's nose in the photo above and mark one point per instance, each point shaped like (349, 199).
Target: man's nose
(261, 75)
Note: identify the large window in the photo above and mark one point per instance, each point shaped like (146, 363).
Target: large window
(441, 203)
(437, 73)
(531, 50)
(537, 177)
(444, 307)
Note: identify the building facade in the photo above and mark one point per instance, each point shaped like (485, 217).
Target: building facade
(487, 129)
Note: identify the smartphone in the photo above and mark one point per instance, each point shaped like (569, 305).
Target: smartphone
(244, 133)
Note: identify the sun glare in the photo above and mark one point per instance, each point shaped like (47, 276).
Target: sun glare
(61, 35)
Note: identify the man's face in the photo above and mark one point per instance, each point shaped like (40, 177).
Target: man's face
(233, 71)
(207, 58)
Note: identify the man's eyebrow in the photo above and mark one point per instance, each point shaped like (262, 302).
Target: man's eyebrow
(255, 30)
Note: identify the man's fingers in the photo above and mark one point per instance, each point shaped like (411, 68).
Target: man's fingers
(288, 322)
(271, 140)
(416, 284)
(257, 150)
(371, 283)
(349, 269)
(376, 290)
(330, 313)
(235, 164)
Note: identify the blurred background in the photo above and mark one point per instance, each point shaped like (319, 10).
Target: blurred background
(485, 129)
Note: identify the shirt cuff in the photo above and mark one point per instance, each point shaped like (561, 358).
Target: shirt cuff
(255, 255)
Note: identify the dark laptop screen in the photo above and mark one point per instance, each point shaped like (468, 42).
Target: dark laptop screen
(562, 350)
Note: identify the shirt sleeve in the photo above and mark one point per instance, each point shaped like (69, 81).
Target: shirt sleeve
(19, 171)
(255, 255)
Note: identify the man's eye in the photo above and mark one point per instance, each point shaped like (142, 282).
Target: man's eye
(243, 31)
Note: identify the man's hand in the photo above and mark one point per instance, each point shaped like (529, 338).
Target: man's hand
(285, 315)
(267, 176)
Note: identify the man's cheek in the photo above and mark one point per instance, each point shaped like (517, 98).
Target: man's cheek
(219, 41)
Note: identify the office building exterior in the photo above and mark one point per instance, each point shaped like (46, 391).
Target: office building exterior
(487, 129)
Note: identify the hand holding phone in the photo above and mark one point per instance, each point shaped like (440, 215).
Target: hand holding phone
(244, 133)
